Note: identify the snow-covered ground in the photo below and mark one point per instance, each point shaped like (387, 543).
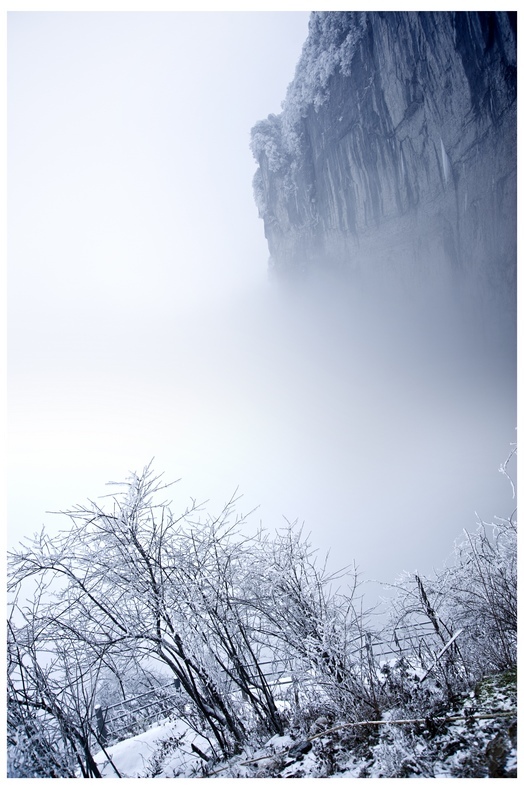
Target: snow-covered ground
(467, 746)
(163, 751)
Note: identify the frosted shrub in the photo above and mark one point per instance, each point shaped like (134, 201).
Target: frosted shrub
(400, 754)
(474, 599)
(266, 141)
(255, 632)
(128, 584)
(330, 46)
(259, 193)
(482, 596)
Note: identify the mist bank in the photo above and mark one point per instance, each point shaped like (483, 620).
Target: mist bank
(394, 156)
(379, 427)
(387, 189)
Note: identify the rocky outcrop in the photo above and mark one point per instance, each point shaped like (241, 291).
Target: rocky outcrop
(395, 151)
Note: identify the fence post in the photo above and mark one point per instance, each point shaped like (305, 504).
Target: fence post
(101, 724)
(371, 671)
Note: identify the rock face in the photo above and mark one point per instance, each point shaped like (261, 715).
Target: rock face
(395, 151)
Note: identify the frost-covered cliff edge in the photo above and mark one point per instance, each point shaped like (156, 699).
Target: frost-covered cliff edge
(395, 151)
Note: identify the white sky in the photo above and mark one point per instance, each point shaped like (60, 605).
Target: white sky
(141, 323)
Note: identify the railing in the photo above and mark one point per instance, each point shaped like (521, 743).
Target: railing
(132, 716)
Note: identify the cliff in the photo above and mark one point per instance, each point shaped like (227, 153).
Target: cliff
(395, 151)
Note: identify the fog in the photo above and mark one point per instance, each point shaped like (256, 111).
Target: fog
(143, 324)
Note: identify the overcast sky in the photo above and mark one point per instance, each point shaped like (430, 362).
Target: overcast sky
(131, 221)
(142, 324)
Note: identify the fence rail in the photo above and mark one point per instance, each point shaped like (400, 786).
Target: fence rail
(131, 716)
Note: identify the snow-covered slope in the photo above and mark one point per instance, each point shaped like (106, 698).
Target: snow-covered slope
(477, 741)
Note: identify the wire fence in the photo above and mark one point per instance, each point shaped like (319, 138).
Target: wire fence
(134, 715)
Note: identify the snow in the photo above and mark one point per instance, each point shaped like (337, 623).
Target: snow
(136, 757)
(458, 747)
(164, 751)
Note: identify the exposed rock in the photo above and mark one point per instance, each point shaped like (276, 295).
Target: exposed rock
(395, 152)
(300, 749)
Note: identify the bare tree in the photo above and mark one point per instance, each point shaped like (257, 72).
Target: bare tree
(220, 608)
(113, 575)
(50, 692)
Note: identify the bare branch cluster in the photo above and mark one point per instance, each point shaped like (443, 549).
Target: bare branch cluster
(130, 583)
(130, 595)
